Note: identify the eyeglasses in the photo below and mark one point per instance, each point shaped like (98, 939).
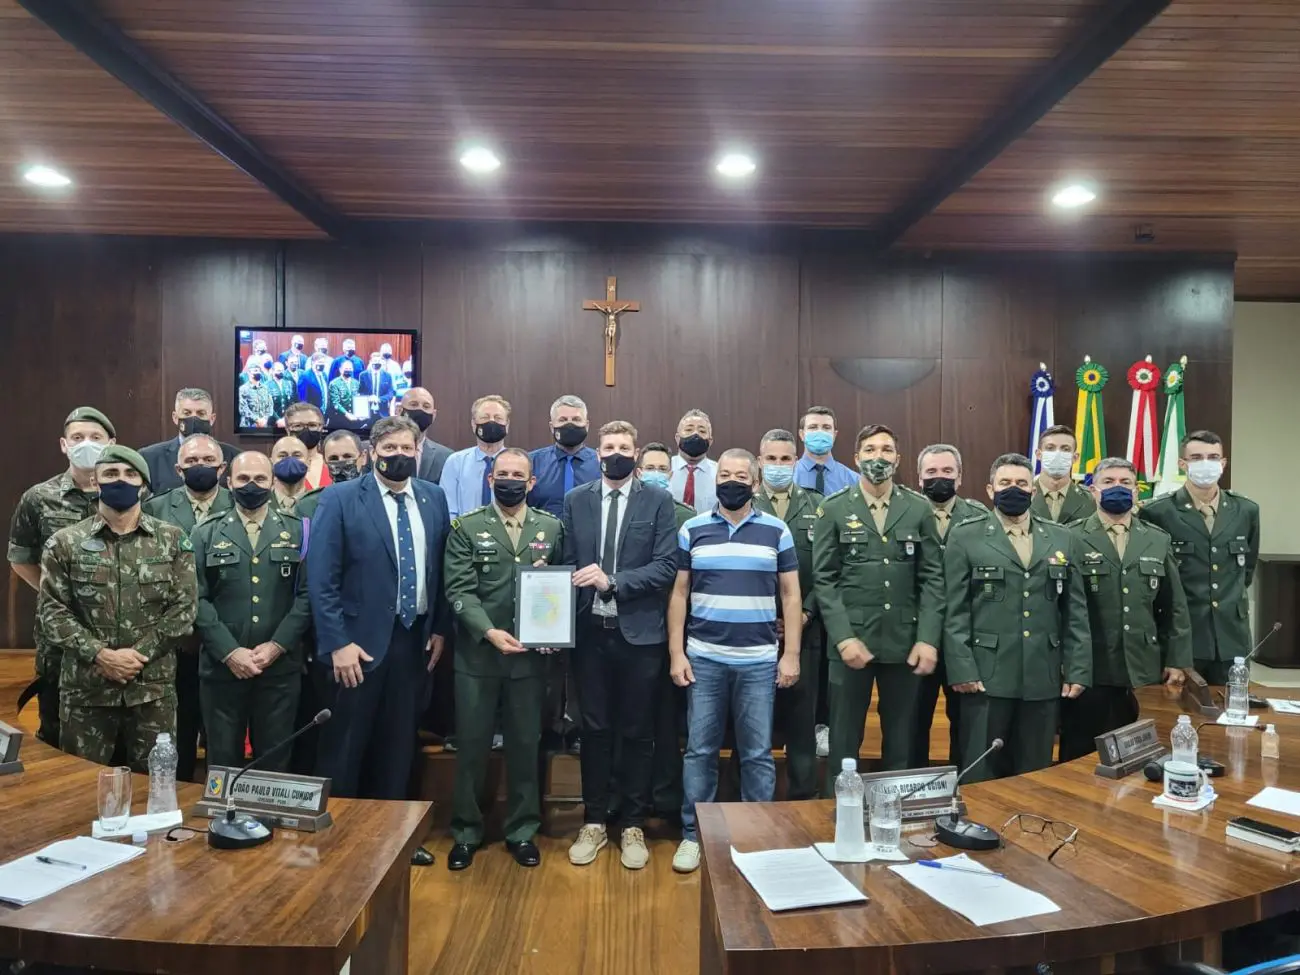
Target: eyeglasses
(1064, 833)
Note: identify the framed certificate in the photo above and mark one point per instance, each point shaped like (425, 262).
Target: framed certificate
(546, 606)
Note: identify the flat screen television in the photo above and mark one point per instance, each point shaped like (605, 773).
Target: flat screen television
(352, 374)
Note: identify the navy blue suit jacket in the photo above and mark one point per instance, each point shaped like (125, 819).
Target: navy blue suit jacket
(352, 567)
(647, 555)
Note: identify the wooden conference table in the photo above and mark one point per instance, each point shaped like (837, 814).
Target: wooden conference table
(1143, 884)
(304, 903)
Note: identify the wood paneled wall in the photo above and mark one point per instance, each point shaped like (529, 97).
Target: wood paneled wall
(751, 334)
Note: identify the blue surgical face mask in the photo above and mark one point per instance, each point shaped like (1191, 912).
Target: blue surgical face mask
(655, 479)
(778, 476)
(819, 442)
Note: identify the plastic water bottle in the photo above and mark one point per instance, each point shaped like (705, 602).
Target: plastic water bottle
(850, 835)
(162, 775)
(1238, 691)
(1184, 740)
(1270, 746)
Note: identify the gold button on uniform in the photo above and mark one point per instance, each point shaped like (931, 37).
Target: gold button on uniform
(1214, 568)
(1025, 594)
(1026, 614)
(1214, 585)
(1126, 590)
(884, 538)
(1215, 604)
(255, 580)
(255, 560)
(255, 619)
(1126, 609)
(256, 599)
(886, 583)
(1126, 626)
(886, 605)
(1026, 633)
(886, 561)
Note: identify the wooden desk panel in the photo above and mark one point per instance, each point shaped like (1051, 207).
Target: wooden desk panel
(1140, 877)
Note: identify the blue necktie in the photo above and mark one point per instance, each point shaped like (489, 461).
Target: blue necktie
(487, 481)
(568, 473)
(406, 578)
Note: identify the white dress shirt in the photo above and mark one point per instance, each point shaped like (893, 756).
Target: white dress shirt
(609, 607)
(417, 540)
(706, 491)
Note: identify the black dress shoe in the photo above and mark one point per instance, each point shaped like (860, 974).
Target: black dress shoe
(460, 857)
(526, 853)
(421, 858)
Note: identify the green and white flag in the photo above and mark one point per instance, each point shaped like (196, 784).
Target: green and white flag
(1169, 478)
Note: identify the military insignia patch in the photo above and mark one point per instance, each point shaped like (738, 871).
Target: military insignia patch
(483, 535)
(94, 545)
(284, 536)
(455, 523)
(820, 512)
(541, 536)
(186, 544)
(458, 605)
(224, 544)
(1058, 558)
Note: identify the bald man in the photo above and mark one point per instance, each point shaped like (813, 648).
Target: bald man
(289, 465)
(417, 405)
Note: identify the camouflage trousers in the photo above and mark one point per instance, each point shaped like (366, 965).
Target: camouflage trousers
(94, 732)
(49, 661)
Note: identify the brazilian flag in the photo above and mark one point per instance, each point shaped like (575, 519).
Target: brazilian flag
(1089, 427)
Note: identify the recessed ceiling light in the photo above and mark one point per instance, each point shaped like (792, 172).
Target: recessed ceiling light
(736, 165)
(46, 177)
(480, 160)
(1073, 195)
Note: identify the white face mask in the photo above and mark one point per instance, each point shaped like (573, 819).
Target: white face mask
(85, 455)
(1205, 473)
(1057, 463)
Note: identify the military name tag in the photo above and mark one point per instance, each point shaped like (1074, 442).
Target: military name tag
(11, 740)
(928, 792)
(909, 548)
(1241, 559)
(1125, 750)
(290, 801)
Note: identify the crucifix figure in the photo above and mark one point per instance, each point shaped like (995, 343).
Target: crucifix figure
(611, 308)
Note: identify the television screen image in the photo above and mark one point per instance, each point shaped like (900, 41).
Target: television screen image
(353, 375)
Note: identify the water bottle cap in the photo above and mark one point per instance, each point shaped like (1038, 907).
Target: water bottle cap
(1270, 730)
(164, 738)
(1184, 719)
(1238, 660)
(849, 765)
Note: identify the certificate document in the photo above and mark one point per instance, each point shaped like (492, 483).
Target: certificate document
(546, 606)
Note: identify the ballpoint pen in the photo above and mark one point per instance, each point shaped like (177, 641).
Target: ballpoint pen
(61, 863)
(940, 865)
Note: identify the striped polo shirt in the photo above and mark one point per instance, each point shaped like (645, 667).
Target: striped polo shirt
(734, 586)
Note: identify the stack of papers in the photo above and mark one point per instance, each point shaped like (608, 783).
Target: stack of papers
(1277, 800)
(27, 879)
(1282, 706)
(975, 892)
(789, 879)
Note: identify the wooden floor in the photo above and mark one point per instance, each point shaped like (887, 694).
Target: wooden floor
(498, 918)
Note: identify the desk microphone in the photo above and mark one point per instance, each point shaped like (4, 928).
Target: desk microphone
(236, 830)
(962, 834)
(1250, 656)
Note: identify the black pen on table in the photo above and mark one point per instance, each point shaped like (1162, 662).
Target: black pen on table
(60, 863)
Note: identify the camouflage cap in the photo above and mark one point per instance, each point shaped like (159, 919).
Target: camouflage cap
(118, 454)
(89, 414)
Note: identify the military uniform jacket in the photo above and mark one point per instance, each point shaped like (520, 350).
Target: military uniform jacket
(305, 507)
(174, 506)
(1079, 504)
(1216, 570)
(683, 513)
(42, 510)
(101, 590)
(480, 569)
(1021, 630)
(884, 588)
(1137, 612)
(247, 596)
(962, 509)
(800, 517)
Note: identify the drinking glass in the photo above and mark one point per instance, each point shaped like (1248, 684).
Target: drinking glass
(886, 819)
(114, 798)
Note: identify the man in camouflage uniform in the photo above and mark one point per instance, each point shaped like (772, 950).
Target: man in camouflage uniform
(256, 407)
(116, 591)
(44, 508)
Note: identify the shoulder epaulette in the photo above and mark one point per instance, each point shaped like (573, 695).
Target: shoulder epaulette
(842, 490)
(474, 511)
(912, 491)
(1238, 494)
(973, 520)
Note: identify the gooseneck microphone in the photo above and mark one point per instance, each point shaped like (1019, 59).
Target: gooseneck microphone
(236, 830)
(962, 834)
(994, 746)
(1251, 656)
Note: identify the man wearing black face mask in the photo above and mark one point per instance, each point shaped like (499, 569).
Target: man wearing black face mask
(938, 469)
(1016, 628)
(567, 463)
(193, 413)
(376, 384)
(694, 474)
(345, 461)
(1141, 630)
(284, 391)
(342, 392)
(201, 466)
(417, 406)
(467, 475)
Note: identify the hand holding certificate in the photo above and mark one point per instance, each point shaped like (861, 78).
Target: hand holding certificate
(546, 607)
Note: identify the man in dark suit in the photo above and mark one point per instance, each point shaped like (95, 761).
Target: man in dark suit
(373, 381)
(622, 537)
(417, 406)
(313, 386)
(192, 414)
(374, 574)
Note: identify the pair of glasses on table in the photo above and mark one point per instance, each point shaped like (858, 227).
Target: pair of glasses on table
(1062, 832)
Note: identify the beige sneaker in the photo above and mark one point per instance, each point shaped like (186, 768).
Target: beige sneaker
(592, 838)
(687, 857)
(635, 853)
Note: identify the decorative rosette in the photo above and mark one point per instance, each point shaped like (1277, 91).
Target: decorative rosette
(1042, 384)
(1143, 376)
(1174, 379)
(1091, 378)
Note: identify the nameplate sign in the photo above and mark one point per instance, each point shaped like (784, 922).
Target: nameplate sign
(11, 739)
(1198, 697)
(1127, 749)
(287, 801)
(934, 793)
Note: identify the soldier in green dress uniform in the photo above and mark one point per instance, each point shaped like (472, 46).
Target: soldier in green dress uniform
(200, 463)
(44, 508)
(796, 707)
(284, 390)
(117, 590)
(878, 580)
(252, 617)
(938, 469)
(485, 551)
(1216, 543)
(1012, 658)
(1137, 612)
(289, 464)
(1057, 497)
(342, 391)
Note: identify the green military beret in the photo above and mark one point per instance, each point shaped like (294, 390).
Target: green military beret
(89, 414)
(116, 453)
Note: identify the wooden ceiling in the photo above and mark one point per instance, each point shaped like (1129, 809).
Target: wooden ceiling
(616, 110)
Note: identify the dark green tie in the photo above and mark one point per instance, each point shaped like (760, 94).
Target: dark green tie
(820, 486)
(610, 549)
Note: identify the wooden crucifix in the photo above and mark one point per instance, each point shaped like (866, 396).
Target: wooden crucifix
(611, 308)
